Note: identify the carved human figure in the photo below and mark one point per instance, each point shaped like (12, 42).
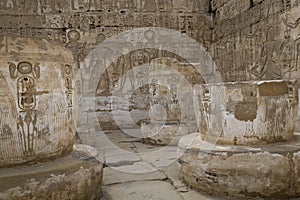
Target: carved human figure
(286, 54)
(103, 87)
(126, 67)
(154, 48)
(73, 37)
(290, 22)
(269, 69)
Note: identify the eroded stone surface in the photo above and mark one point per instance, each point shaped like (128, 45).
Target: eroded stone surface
(76, 176)
(140, 190)
(37, 100)
(115, 176)
(154, 169)
(165, 133)
(247, 112)
(262, 171)
(296, 162)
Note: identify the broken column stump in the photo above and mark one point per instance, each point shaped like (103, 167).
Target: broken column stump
(246, 146)
(37, 118)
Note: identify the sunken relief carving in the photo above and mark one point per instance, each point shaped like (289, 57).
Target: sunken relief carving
(37, 116)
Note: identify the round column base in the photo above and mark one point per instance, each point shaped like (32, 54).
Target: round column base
(75, 176)
(269, 171)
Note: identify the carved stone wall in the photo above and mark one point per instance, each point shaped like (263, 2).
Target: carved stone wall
(96, 20)
(81, 25)
(249, 39)
(256, 39)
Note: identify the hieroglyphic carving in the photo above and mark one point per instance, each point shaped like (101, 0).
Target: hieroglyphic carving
(297, 54)
(266, 40)
(67, 74)
(290, 54)
(173, 107)
(286, 53)
(165, 5)
(53, 6)
(295, 3)
(186, 23)
(289, 21)
(150, 5)
(77, 48)
(270, 7)
(231, 9)
(25, 75)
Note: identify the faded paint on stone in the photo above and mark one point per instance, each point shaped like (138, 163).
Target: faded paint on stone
(247, 112)
(37, 117)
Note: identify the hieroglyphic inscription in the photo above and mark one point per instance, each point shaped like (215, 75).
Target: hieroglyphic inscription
(25, 75)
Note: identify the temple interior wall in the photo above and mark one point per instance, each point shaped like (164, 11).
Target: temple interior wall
(248, 40)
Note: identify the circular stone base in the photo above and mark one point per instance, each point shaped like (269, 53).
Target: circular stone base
(76, 176)
(167, 133)
(270, 171)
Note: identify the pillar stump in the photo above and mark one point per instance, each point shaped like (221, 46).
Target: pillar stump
(37, 118)
(246, 146)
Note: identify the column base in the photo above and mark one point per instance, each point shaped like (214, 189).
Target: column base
(75, 176)
(269, 171)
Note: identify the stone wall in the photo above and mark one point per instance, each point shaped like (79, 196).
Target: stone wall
(256, 39)
(81, 25)
(249, 40)
(96, 20)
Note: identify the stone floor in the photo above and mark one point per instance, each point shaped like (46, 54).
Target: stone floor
(138, 171)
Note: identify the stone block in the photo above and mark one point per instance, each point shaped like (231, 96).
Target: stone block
(296, 162)
(241, 171)
(37, 101)
(247, 113)
(76, 176)
(158, 133)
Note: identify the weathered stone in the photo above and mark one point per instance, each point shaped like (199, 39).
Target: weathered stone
(231, 9)
(247, 112)
(257, 1)
(163, 133)
(296, 165)
(248, 39)
(263, 171)
(114, 176)
(142, 190)
(75, 176)
(162, 157)
(117, 157)
(37, 100)
(215, 4)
